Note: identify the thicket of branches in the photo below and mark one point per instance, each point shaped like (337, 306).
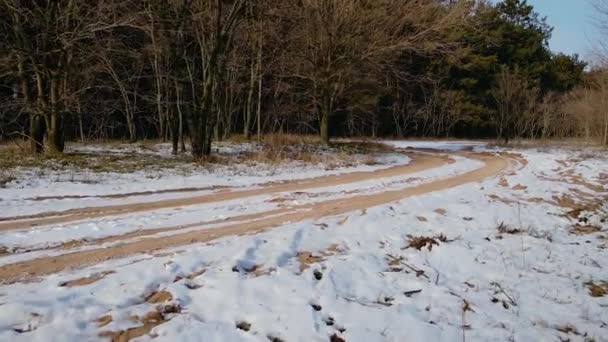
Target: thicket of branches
(197, 70)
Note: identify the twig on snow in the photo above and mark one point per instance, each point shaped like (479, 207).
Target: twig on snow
(502, 290)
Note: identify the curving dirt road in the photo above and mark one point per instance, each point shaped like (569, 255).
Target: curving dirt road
(246, 224)
(419, 162)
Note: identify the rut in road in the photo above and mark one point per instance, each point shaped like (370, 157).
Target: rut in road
(27, 270)
(419, 162)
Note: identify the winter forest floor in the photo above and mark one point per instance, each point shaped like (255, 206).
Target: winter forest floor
(383, 241)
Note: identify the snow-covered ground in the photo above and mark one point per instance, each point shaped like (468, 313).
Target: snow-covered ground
(444, 145)
(510, 258)
(56, 188)
(56, 234)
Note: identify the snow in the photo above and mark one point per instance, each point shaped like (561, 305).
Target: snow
(528, 286)
(443, 145)
(21, 197)
(53, 235)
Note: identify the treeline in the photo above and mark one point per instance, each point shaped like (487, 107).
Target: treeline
(197, 70)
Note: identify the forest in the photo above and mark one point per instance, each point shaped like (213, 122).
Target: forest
(196, 71)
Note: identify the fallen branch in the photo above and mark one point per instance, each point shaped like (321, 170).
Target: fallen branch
(412, 292)
(505, 293)
(412, 268)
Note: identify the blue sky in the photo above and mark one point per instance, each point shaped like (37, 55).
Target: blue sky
(574, 31)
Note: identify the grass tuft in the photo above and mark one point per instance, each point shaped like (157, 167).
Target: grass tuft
(597, 289)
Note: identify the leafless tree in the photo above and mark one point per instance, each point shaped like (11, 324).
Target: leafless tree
(342, 43)
(51, 42)
(514, 98)
(214, 26)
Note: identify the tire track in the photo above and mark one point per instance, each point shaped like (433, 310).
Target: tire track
(419, 162)
(31, 269)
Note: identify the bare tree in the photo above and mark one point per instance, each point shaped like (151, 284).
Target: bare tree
(600, 84)
(601, 22)
(601, 80)
(254, 35)
(514, 97)
(341, 43)
(52, 42)
(214, 26)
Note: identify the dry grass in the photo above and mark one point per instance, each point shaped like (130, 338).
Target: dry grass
(118, 157)
(276, 149)
(420, 242)
(158, 297)
(506, 229)
(585, 230)
(567, 329)
(148, 322)
(306, 259)
(290, 139)
(283, 139)
(597, 289)
(104, 320)
(11, 157)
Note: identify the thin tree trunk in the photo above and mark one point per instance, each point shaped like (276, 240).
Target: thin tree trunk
(36, 129)
(81, 129)
(326, 111)
(55, 133)
(249, 108)
(179, 138)
(37, 133)
(260, 73)
(259, 107)
(157, 83)
(324, 126)
(606, 130)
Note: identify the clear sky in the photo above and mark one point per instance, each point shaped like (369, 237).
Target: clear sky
(574, 30)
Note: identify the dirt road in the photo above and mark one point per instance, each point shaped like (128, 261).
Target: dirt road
(419, 162)
(246, 224)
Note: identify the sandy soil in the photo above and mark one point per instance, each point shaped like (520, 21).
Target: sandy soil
(494, 165)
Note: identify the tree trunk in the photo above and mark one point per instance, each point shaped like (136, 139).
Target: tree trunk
(80, 124)
(54, 129)
(182, 141)
(175, 139)
(606, 131)
(249, 108)
(260, 76)
(131, 124)
(326, 111)
(55, 136)
(197, 136)
(36, 133)
(259, 108)
(36, 129)
(199, 131)
(324, 126)
(178, 135)
(207, 146)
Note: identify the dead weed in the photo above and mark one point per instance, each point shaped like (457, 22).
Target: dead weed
(306, 259)
(597, 289)
(420, 242)
(149, 321)
(503, 228)
(585, 230)
(159, 297)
